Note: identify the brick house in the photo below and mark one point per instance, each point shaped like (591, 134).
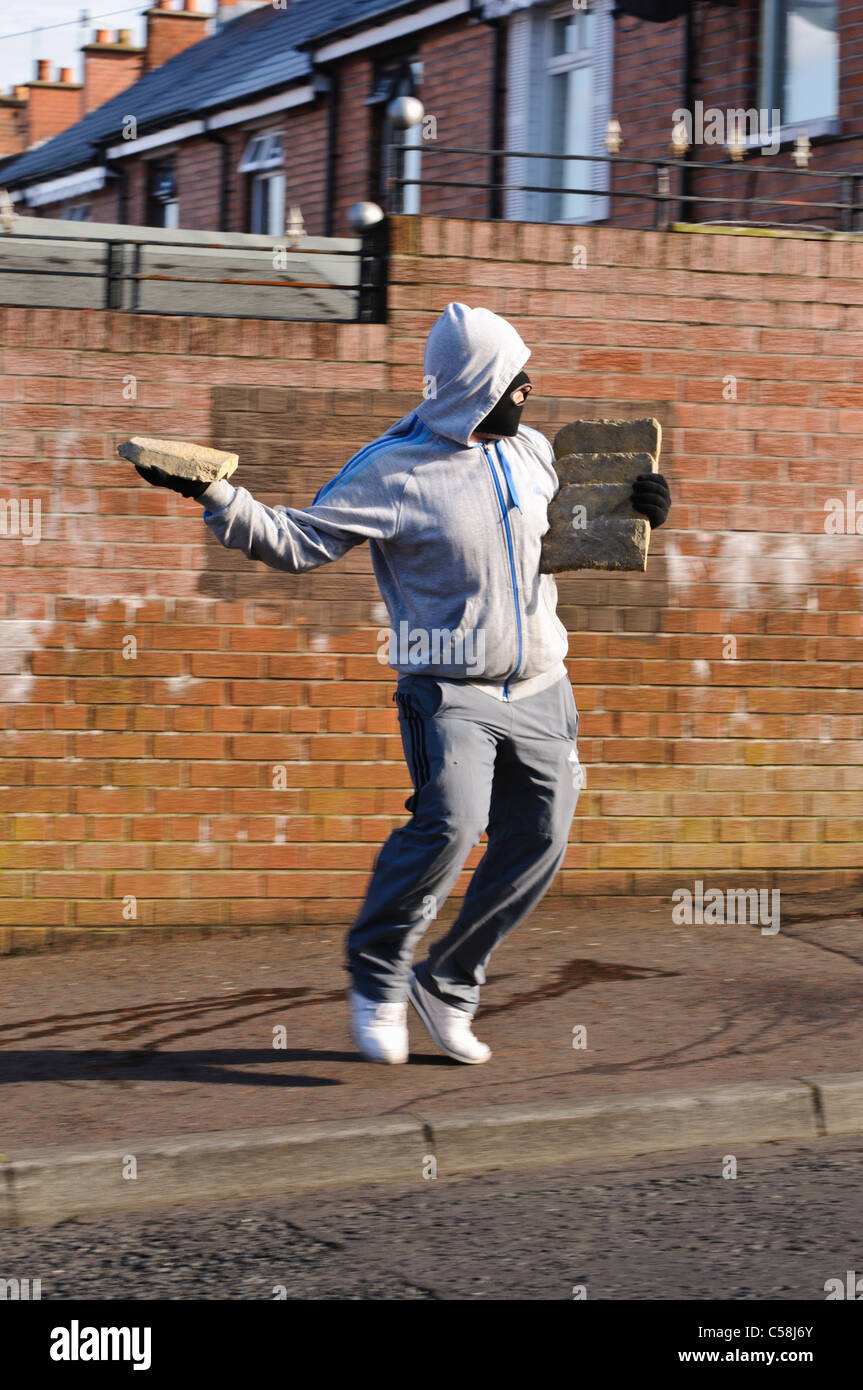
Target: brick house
(224, 124)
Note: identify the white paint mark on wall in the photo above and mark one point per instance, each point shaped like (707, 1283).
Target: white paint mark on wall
(682, 571)
(132, 605)
(19, 638)
(749, 560)
(177, 684)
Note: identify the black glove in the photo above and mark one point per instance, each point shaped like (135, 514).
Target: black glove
(187, 487)
(650, 495)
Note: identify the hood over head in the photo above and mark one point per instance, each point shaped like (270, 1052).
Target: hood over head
(471, 357)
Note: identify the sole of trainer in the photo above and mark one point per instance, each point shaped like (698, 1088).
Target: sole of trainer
(381, 1061)
(433, 1033)
(376, 1061)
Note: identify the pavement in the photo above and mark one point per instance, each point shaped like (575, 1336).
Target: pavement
(139, 1074)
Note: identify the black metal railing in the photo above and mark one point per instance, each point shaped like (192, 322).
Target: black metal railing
(149, 275)
(841, 210)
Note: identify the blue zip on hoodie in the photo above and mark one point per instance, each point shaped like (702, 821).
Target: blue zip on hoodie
(509, 546)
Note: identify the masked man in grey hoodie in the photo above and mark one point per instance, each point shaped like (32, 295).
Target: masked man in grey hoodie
(453, 501)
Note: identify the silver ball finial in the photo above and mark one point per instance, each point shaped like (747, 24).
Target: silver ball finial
(362, 216)
(405, 112)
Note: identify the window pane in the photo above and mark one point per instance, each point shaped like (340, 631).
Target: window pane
(571, 125)
(276, 210)
(257, 210)
(572, 33)
(564, 35)
(811, 64)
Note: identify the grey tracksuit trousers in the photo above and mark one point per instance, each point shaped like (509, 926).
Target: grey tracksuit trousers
(476, 763)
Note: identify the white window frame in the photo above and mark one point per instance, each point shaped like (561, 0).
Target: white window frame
(769, 99)
(264, 151)
(528, 117)
(275, 203)
(263, 159)
(170, 207)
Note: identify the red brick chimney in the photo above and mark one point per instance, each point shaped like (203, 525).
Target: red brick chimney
(171, 31)
(52, 105)
(110, 66)
(13, 121)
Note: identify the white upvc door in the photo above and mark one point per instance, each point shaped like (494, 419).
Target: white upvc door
(559, 102)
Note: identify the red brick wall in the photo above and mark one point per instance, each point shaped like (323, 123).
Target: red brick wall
(13, 126)
(198, 169)
(51, 108)
(170, 32)
(306, 168)
(353, 142)
(108, 70)
(458, 90)
(649, 86)
(153, 776)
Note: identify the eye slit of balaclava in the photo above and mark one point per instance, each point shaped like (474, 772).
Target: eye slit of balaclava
(504, 418)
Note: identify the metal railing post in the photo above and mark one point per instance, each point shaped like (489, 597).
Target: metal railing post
(113, 275)
(848, 185)
(396, 191)
(845, 212)
(136, 283)
(374, 262)
(663, 196)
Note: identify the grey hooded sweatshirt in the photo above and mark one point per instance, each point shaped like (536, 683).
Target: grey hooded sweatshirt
(455, 529)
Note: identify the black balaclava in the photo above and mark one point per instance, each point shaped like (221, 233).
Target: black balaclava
(505, 417)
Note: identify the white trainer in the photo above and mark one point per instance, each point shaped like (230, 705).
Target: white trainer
(448, 1027)
(380, 1030)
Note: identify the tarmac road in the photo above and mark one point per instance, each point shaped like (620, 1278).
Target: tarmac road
(651, 1228)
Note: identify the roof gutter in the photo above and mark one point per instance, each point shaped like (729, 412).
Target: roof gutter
(66, 186)
(372, 34)
(232, 115)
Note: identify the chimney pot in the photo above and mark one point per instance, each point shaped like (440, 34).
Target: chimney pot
(43, 70)
(192, 6)
(67, 75)
(163, 4)
(124, 36)
(21, 93)
(104, 36)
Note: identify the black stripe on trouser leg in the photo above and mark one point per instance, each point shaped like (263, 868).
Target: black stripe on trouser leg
(421, 746)
(416, 733)
(410, 724)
